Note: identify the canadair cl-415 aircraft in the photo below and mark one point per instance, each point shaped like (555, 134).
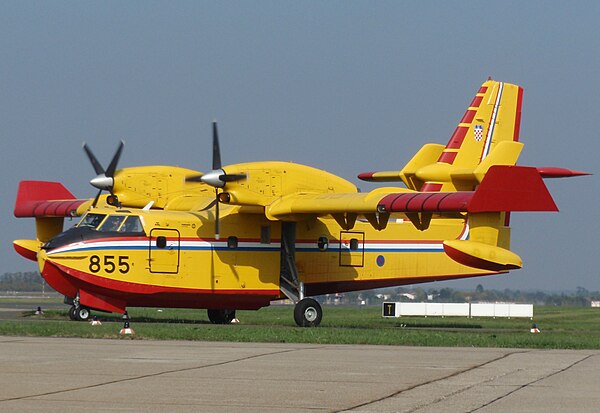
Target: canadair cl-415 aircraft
(241, 236)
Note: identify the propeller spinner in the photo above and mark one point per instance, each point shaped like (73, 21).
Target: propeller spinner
(217, 178)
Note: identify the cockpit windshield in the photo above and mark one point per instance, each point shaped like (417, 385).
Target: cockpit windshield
(91, 220)
(112, 223)
(132, 224)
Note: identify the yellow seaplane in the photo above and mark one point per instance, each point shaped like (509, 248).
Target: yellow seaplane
(244, 235)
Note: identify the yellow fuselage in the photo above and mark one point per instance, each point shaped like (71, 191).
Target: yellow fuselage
(178, 262)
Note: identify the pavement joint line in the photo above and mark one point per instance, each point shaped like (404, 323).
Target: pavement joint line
(522, 386)
(461, 390)
(160, 373)
(415, 386)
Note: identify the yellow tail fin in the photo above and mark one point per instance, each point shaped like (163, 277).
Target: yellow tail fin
(486, 135)
(493, 116)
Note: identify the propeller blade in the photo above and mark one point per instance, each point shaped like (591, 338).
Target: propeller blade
(217, 229)
(115, 160)
(216, 161)
(232, 177)
(194, 178)
(95, 164)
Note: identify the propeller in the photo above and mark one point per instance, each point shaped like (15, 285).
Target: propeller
(104, 179)
(217, 177)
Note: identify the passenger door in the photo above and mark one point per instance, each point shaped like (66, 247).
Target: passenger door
(164, 250)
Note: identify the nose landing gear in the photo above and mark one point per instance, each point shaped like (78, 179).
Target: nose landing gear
(79, 313)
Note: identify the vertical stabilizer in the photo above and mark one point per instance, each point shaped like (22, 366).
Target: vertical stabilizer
(493, 116)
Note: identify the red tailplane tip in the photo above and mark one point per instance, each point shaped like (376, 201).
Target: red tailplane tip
(554, 172)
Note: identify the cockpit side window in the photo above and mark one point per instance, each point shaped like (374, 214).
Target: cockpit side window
(112, 223)
(132, 224)
(91, 220)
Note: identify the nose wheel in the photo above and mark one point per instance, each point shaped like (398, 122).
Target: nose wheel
(79, 313)
(308, 313)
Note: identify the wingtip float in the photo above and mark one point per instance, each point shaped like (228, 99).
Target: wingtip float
(243, 235)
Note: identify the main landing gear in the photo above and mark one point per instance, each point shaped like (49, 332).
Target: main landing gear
(221, 316)
(308, 313)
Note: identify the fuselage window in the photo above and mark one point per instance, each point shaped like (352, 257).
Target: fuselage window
(323, 243)
(353, 244)
(91, 220)
(112, 223)
(161, 242)
(132, 224)
(232, 242)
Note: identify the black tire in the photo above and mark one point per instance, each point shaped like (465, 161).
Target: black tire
(308, 313)
(72, 314)
(82, 313)
(221, 316)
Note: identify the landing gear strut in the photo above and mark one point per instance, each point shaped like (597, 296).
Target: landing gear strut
(221, 316)
(308, 313)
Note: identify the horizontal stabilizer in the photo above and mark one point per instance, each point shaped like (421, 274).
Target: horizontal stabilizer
(512, 188)
(428, 154)
(45, 199)
(504, 188)
(483, 256)
(380, 176)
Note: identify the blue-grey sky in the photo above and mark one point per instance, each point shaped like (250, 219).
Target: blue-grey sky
(343, 86)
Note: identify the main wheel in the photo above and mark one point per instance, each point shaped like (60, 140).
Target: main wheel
(308, 313)
(82, 313)
(221, 316)
(72, 312)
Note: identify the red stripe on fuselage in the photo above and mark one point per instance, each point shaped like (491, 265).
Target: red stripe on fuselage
(68, 281)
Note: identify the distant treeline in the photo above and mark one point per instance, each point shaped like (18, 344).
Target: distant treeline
(579, 298)
(22, 282)
(32, 281)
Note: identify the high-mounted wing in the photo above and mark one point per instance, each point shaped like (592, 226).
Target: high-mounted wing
(504, 189)
(46, 199)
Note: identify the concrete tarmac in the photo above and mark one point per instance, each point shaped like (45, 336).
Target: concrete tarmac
(61, 374)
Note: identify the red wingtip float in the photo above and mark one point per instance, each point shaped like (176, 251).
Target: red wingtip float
(241, 236)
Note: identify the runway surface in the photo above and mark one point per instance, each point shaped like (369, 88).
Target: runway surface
(59, 374)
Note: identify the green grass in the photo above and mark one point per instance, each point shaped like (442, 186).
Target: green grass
(561, 328)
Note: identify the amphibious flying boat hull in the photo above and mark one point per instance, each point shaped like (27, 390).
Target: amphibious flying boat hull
(104, 294)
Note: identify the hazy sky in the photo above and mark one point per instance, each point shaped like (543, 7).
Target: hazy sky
(347, 86)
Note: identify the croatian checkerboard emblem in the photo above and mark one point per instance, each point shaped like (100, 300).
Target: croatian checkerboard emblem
(478, 129)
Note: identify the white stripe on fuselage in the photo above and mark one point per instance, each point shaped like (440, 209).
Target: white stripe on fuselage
(208, 245)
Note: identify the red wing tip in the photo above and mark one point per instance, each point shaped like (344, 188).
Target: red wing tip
(554, 172)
